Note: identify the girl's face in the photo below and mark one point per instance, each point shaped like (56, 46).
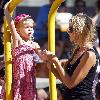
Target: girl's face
(26, 28)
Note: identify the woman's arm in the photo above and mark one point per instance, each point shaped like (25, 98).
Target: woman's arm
(42, 70)
(64, 62)
(51, 67)
(87, 61)
(11, 25)
(54, 70)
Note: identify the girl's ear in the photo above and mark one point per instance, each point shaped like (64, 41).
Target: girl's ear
(17, 30)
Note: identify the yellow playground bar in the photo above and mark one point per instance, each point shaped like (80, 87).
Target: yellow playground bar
(51, 47)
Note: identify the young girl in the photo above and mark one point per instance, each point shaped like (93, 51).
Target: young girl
(24, 82)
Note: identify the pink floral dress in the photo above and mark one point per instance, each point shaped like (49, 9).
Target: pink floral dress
(24, 81)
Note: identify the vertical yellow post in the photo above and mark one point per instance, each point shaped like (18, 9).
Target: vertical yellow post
(51, 38)
(7, 52)
(8, 64)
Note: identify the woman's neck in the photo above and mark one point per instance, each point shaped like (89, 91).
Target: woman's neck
(86, 46)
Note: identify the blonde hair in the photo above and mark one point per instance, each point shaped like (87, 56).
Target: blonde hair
(82, 24)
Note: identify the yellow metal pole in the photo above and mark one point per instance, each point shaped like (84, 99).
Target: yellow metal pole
(7, 53)
(51, 43)
(8, 64)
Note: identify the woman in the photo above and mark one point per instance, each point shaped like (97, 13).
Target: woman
(78, 72)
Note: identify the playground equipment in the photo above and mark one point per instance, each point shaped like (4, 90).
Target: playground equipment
(7, 52)
(51, 44)
(51, 47)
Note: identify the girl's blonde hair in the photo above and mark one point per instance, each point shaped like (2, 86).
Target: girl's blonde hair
(82, 24)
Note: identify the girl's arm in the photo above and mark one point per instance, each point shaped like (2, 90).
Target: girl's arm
(87, 61)
(15, 35)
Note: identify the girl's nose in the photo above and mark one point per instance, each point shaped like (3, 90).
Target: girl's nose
(30, 29)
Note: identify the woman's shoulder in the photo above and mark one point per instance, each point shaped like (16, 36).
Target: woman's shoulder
(91, 52)
(90, 56)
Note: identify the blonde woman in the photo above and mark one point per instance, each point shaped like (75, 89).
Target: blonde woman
(78, 73)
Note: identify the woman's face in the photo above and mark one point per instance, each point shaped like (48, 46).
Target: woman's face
(75, 38)
(72, 35)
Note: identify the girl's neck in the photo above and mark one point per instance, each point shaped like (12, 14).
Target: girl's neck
(26, 39)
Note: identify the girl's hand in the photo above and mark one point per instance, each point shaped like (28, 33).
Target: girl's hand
(7, 4)
(39, 52)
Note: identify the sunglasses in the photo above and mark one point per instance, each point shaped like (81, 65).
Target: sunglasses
(70, 30)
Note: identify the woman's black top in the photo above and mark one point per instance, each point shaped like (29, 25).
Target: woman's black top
(83, 91)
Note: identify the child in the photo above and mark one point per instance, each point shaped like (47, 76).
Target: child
(24, 82)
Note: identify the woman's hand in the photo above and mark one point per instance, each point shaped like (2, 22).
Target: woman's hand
(50, 56)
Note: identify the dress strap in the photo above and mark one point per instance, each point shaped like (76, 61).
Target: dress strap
(93, 50)
(97, 54)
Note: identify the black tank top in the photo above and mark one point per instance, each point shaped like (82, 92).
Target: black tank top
(83, 91)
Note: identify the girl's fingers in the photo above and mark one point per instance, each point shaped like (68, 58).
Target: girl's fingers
(6, 5)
